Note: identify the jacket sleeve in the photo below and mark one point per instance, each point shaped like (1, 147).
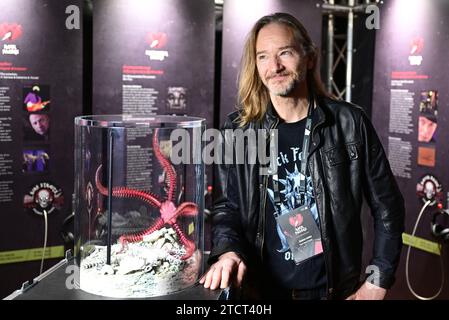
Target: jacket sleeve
(387, 208)
(227, 233)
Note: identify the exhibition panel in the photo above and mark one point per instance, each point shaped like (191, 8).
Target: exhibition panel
(41, 70)
(410, 112)
(154, 57)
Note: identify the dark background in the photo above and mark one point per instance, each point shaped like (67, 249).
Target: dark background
(83, 69)
(401, 23)
(54, 54)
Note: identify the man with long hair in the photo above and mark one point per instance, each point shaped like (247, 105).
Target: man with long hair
(296, 233)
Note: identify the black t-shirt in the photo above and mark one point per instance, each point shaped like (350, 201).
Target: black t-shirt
(309, 274)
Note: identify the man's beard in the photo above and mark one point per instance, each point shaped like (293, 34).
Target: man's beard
(297, 78)
(285, 92)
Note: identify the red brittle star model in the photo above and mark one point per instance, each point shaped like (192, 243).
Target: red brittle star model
(168, 210)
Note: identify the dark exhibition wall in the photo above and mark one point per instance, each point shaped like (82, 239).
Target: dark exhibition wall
(168, 57)
(145, 66)
(162, 64)
(410, 112)
(40, 94)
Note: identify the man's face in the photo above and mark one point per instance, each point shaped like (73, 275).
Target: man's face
(40, 123)
(280, 63)
(426, 129)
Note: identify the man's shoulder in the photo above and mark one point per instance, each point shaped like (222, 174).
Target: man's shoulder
(342, 106)
(342, 109)
(232, 120)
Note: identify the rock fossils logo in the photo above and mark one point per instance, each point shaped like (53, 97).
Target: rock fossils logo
(296, 222)
(416, 46)
(10, 31)
(43, 197)
(156, 40)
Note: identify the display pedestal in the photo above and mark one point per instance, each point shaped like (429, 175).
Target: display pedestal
(51, 285)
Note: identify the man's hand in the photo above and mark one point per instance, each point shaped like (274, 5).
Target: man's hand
(220, 273)
(368, 291)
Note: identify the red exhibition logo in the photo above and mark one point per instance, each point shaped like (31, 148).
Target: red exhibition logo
(156, 40)
(296, 221)
(10, 31)
(416, 45)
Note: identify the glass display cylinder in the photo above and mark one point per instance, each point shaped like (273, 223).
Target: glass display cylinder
(139, 200)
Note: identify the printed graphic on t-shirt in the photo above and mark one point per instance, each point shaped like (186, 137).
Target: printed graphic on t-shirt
(290, 195)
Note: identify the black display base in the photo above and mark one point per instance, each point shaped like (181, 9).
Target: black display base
(51, 285)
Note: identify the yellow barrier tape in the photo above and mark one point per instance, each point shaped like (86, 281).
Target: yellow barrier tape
(31, 254)
(420, 243)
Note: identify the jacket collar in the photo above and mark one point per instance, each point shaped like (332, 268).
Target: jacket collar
(318, 118)
(271, 119)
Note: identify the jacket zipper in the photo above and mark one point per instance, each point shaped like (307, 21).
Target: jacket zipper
(265, 200)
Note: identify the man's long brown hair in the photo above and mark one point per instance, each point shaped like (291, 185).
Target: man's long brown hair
(253, 96)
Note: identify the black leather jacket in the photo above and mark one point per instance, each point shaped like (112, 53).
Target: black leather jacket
(347, 163)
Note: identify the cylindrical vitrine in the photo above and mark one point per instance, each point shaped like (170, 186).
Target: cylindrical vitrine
(139, 190)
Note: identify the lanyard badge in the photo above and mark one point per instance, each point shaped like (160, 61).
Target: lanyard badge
(302, 233)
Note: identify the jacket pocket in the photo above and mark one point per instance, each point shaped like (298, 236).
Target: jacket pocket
(341, 154)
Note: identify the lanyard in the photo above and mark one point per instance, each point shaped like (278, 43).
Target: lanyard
(305, 154)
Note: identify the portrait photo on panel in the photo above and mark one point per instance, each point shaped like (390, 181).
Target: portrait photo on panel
(36, 126)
